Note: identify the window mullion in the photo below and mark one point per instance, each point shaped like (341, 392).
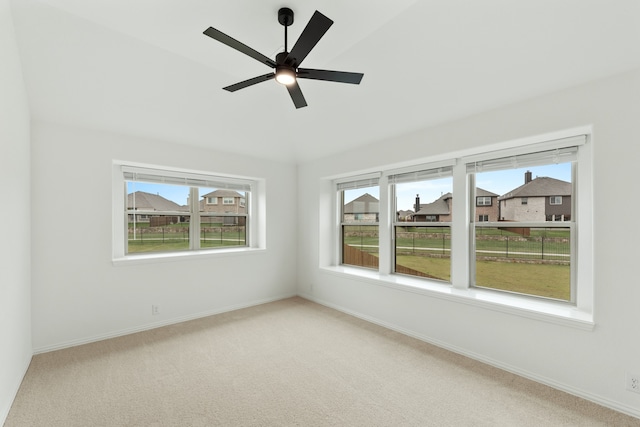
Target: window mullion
(460, 228)
(384, 226)
(194, 222)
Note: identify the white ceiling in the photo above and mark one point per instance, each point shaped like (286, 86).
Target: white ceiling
(143, 67)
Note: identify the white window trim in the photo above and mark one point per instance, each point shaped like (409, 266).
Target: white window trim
(553, 199)
(257, 212)
(578, 315)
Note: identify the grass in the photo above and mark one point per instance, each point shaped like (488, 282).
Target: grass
(179, 241)
(544, 280)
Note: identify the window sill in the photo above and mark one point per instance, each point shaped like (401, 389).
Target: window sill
(549, 311)
(182, 256)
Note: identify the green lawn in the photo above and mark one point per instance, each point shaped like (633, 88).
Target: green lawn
(171, 240)
(545, 280)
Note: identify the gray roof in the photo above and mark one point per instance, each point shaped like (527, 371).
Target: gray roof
(484, 193)
(363, 204)
(439, 207)
(540, 187)
(151, 202)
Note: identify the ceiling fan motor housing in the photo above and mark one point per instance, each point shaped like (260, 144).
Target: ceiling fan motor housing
(285, 16)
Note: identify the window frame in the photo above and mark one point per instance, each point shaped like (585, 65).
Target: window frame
(553, 200)
(483, 198)
(577, 314)
(255, 215)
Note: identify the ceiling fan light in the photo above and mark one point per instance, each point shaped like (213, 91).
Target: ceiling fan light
(285, 76)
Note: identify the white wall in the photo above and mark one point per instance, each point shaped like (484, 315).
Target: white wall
(588, 363)
(79, 296)
(15, 286)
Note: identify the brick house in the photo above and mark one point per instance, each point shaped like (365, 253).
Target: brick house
(224, 201)
(539, 199)
(487, 206)
(440, 210)
(365, 208)
(437, 211)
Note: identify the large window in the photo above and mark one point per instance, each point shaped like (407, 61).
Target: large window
(172, 211)
(422, 247)
(503, 222)
(521, 251)
(359, 216)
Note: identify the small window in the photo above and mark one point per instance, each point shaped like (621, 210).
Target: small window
(212, 200)
(524, 200)
(555, 200)
(483, 201)
(483, 218)
(228, 201)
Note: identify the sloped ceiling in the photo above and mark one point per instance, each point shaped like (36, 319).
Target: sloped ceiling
(143, 67)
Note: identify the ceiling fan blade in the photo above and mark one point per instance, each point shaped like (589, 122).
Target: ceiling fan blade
(249, 82)
(329, 75)
(231, 42)
(296, 95)
(311, 35)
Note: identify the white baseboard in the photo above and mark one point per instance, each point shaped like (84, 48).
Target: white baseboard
(154, 325)
(617, 406)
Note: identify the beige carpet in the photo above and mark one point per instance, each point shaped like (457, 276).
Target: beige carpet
(288, 363)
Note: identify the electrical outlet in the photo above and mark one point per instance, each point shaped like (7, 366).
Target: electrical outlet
(633, 382)
(155, 309)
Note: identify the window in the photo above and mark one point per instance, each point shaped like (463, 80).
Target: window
(359, 211)
(168, 211)
(510, 252)
(483, 201)
(516, 254)
(228, 201)
(423, 247)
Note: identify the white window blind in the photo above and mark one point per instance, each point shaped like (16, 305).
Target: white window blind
(362, 182)
(186, 179)
(421, 175)
(555, 156)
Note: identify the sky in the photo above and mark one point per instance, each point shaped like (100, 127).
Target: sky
(499, 182)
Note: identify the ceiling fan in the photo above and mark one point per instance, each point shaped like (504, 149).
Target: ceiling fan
(287, 64)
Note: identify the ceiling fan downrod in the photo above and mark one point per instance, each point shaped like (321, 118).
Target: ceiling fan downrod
(285, 17)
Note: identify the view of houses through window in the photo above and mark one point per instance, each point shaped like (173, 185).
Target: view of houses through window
(162, 217)
(521, 217)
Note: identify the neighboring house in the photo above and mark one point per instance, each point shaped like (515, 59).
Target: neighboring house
(405, 215)
(437, 211)
(142, 201)
(487, 206)
(224, 201)
(365, 208)
(539, 199)
(440, 210)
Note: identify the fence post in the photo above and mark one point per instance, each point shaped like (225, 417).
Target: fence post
(542, 250)
(507, 252)
(162, 234)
